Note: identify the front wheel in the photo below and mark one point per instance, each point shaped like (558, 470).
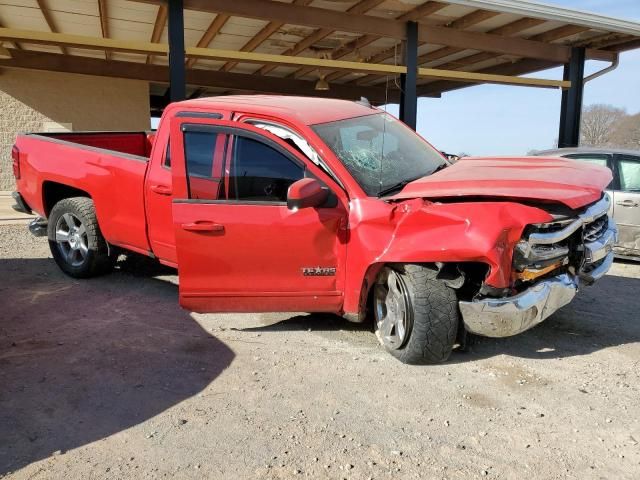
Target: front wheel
(416, 315)
(76, 243)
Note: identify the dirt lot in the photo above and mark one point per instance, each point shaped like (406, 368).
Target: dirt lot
(109, 378)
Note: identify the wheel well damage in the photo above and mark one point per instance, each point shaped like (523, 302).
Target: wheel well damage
(467, 278)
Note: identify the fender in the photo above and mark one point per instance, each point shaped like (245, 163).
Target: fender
(419, 231)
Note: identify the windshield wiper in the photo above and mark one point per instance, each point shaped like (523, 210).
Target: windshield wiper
(393, 188)
(397, 186)
(439, 167)
(404, 183)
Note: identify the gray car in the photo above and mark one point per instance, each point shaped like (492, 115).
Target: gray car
(624, 191)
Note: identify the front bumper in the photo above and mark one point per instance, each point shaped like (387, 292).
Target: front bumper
(504, 317)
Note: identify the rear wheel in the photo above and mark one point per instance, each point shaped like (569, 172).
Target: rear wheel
(416, 315)
(76, 243)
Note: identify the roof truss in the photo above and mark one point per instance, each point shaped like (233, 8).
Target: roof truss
(381, 27)
(105, 44)
(460, 44)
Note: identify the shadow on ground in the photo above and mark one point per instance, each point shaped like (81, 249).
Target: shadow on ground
(82, 360)
(601, 316)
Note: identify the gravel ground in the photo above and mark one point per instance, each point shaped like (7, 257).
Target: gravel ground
(109, 378)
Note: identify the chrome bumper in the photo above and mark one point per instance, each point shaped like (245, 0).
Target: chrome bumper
(504, 317)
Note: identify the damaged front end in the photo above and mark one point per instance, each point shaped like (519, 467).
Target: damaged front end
(548, 264)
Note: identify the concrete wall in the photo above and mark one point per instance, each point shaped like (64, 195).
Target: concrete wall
(32, 101)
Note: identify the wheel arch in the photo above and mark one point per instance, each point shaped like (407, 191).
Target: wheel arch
(465, 277)
(53, 192)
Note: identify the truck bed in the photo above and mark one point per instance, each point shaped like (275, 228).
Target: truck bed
(131, 143)
(108, 166)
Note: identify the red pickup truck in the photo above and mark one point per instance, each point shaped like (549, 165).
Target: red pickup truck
(268, 203)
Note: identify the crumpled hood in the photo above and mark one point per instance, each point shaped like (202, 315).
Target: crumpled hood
(573, 183)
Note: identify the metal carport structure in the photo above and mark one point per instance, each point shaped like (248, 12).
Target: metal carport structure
(385, 50)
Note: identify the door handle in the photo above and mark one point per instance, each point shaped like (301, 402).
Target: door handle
(161, 189)
(203, 226)
(628, 203)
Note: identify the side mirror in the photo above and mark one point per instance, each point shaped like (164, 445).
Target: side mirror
(306, 193)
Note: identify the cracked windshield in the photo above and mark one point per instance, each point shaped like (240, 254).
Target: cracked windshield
(382, 154)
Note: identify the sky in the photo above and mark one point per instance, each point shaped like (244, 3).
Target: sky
(508, 120)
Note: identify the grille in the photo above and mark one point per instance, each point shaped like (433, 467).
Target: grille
(594, 230)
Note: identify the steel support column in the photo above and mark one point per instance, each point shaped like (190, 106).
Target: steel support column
(571, 110)
(408, 81)
(177, 82)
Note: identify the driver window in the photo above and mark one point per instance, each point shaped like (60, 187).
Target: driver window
(260, 173)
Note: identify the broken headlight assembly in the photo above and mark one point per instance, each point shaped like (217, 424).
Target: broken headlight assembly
(532, 260)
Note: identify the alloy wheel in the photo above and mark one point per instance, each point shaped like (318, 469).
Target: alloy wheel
(72, 240)
(392, 309)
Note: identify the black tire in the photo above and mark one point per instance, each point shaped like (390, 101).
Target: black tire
(94, 260)
(431, 332)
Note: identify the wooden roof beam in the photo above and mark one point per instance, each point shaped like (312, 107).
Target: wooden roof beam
(81, 41)
(15, 45)
(295, 15)
(548, 36)
(104, 22)
(204, 78)
(381, 27)
(517, 68)
(158, 26)
(359, 8)
(97, 43)
(623, 47)
(49, 19)
(413, 15)
(465, 21)
(257, 40)
(195, 77)
(252, 57)
(505, 30)
(211, 32)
